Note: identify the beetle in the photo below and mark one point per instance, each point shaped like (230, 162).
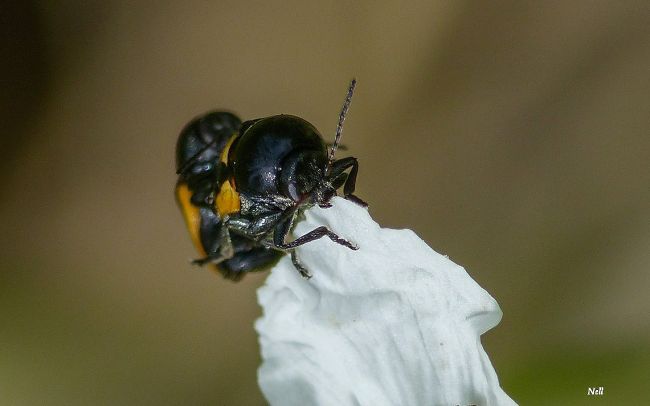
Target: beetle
(241, 187)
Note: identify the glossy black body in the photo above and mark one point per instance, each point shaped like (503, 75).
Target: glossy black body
(198, 149)
(269, 156)
(276, 165)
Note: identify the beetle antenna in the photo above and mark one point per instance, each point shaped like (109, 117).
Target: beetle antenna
(339, 127)
(194, 158)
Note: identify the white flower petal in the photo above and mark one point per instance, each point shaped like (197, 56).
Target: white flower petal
(393, 323)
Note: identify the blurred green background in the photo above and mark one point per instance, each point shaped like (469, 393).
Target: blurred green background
(512, 136)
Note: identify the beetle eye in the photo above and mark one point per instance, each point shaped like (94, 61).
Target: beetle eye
(301, 173)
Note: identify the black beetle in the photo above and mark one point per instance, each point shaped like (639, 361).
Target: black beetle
(241, 186)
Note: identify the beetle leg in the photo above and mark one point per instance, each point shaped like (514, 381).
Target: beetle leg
(255, 230)
(304, 272)
(282, 230)
(348, 189)
(317, 233)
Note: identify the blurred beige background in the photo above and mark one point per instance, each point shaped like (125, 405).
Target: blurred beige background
(512, 136)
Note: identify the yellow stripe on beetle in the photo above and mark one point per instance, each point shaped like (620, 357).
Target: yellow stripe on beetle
(190, 214)
(226, 148)
(227, 200)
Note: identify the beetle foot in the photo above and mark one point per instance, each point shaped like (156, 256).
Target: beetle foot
(343, 242)
(356, 200)
(304, 272)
